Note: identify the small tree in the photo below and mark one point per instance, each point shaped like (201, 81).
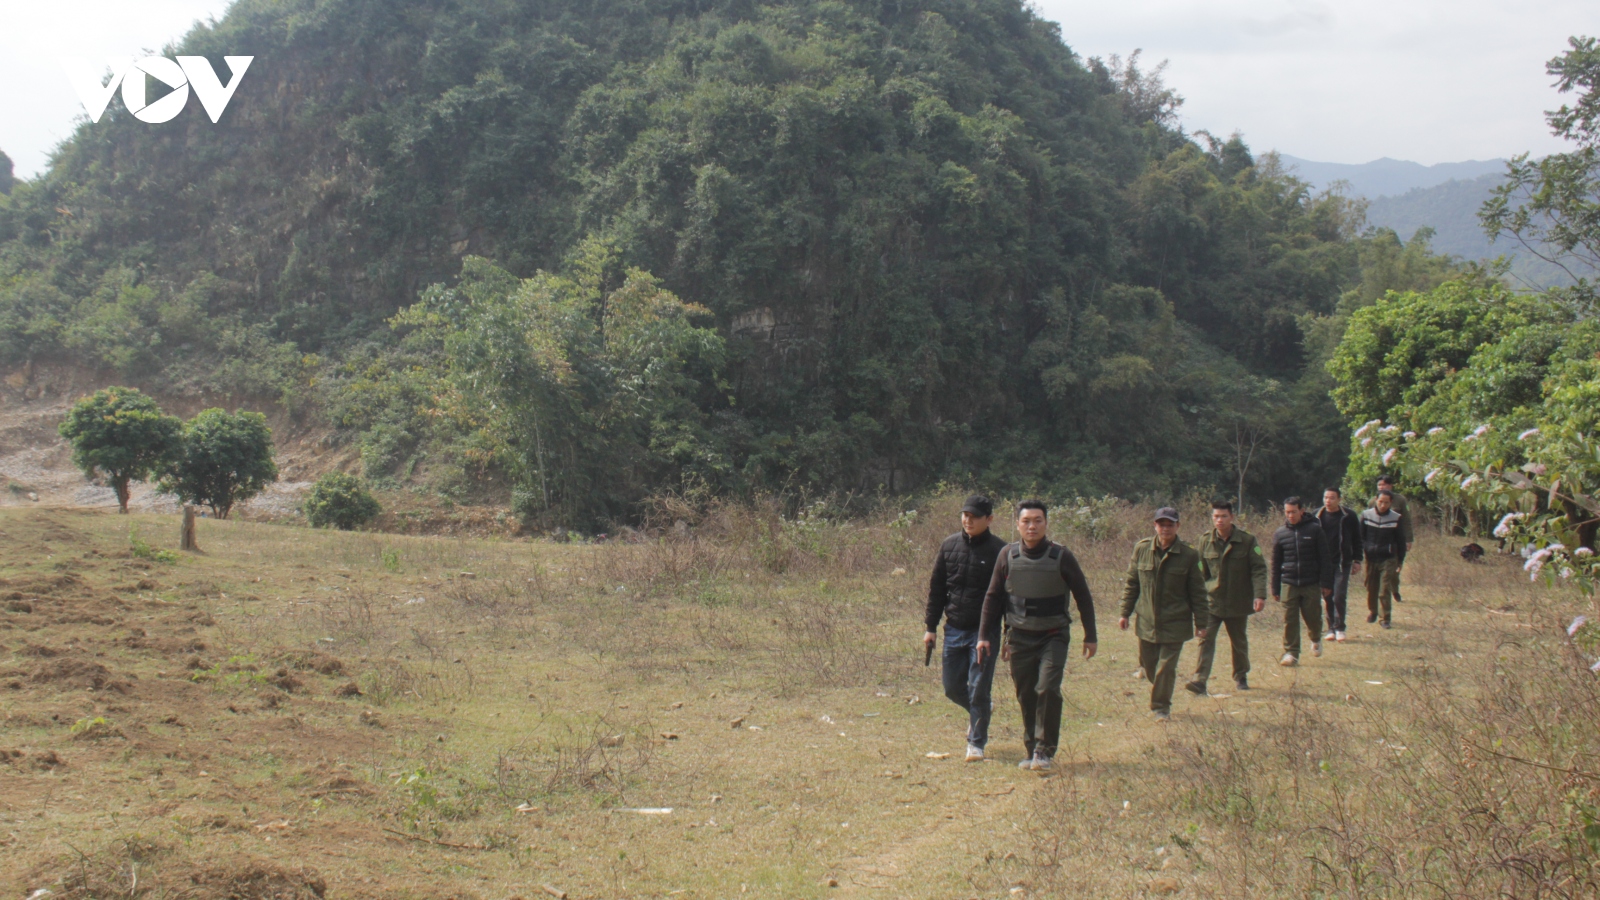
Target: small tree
(341, 501)
(224, 458)
(121, 435)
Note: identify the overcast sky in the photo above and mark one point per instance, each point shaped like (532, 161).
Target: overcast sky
(1425, 80)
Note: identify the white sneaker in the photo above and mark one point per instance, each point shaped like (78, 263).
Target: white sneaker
(1288, 660)
(1338, 636)
(1026, 763)
(1316, 648)
(1331, 636)
(1043, 764)
(974, 753)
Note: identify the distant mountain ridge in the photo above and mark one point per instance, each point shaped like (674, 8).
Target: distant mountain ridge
(1406, 196)
(1388, 177)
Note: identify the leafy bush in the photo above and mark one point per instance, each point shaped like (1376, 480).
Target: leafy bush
(122, 435)
(225, 458)
(341, 501)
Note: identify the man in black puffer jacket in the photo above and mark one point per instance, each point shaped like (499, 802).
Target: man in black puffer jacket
(1302, 574)
(961, 575)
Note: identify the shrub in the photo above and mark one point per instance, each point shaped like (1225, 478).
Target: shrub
(122, 435)
(225, 458)
(341, 501)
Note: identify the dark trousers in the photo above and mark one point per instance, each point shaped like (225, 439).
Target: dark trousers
(1338, 601)
(1383, 584)
(1237, 626)
(1301, 601)
(1160, 663)
(967, 683)
(1038, 660)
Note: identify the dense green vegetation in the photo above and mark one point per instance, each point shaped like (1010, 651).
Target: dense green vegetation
(1489, 401)
(873, 247)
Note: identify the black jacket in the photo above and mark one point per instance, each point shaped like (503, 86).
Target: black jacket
(961, 574)
(1342, 530)
(1300, 556)
(1383, 536)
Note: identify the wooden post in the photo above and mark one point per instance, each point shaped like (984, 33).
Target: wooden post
(188, 542)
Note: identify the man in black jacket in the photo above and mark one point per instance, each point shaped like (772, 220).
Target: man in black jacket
(1302, 574)
(961, 574)
(1342, 529)
(1384, 545)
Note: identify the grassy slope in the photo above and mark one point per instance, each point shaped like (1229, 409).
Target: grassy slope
(576, 681)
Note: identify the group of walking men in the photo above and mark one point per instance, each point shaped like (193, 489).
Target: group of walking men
(1174, 592)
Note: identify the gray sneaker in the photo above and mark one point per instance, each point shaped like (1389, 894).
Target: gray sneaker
(974, 753)
(1027, 763)
(1042, 763)
(1163, 715)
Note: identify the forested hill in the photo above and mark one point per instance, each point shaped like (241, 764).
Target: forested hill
(811, 245)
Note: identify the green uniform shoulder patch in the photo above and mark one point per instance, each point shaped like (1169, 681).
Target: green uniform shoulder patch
(1258, 549)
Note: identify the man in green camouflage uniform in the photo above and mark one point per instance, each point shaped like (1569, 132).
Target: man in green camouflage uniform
(1167, 592)
(1236, 584)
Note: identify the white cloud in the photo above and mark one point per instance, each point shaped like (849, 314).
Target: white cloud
(38, 109)
(1432, 81)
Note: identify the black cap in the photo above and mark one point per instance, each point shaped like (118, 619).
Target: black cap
(1166, 512)
(978, 505)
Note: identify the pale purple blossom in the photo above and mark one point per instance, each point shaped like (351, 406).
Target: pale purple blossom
(1531, 432)
(1366, 442)
(1388, 455)
(1535, 468)
(1469, 481)
(1577, 623)
(1410, 435)
(1595, 667)
(1428, 479)
(1565, 573)
(1480, 431)
(1583, 551)
(1368, 427)
(1437, 429)
(1388, 429)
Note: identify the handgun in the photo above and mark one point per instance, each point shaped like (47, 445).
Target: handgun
(927, 656)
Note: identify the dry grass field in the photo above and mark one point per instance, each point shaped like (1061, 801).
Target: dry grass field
(298, 714)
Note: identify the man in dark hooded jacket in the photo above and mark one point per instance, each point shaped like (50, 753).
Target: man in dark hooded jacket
(1302, 574)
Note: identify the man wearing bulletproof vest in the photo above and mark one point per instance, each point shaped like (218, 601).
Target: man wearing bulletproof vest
(1029, 593)
(961, 574)
(1167, 591)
